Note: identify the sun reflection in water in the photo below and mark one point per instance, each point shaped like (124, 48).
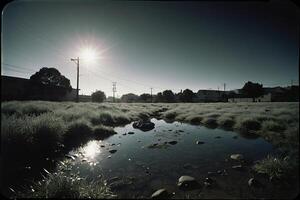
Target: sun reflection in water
(91, 150)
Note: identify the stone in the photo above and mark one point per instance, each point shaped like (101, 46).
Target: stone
(144, 125)
(113, 151)
(187, 182)
(159, 194)
(252, 182)
(237, 157)
(173, 142)
(238, 167)
(235, 137)
(130, 133)
(217, 137)
(124, 134)
(199, 142)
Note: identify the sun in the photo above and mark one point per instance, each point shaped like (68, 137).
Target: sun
(88, 54)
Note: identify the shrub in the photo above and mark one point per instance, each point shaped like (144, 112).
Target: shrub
(271, 125)
(274, 167)
(63, 185)
(78, 133)
(102, 132)
(249, 124)
(98, 96)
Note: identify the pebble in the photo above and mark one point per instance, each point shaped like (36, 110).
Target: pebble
(159, 194)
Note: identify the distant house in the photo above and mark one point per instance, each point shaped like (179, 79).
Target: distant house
(242, 98)
(210, 96)
(15, 88)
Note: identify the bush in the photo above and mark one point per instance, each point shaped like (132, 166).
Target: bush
(273, 167)
(98, 96)
(63, 185)
(249, 124)
(78, 133)
(271, 125)
(102, 132)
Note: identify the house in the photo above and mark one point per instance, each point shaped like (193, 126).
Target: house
(210, 96)
(16, 88)
(242, 98)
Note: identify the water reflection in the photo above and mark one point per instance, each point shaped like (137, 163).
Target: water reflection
(91, 150)
(149, 166)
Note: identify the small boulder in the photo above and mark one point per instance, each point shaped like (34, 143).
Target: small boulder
(144, 125)
(237, 157)
(173, 142)
(199, 142)
(130, 133)
(238, 167)
(253, 182)
(159, 194)
(187, 182)
(217, 137)
(113, 151)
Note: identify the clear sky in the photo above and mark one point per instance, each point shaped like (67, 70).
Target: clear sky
(164, 45)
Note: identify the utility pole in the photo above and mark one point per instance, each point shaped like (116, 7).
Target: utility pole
(114, 89)
(224, 87)
(76, 60)
(151, 94)
(292, 83)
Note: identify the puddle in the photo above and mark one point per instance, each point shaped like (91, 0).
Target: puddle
(146, 161)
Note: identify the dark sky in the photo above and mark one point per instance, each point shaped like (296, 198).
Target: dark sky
(164, 45)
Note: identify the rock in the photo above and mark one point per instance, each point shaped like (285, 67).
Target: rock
(209, 180)
(199, 142)
(253, 182)
(113, 151)
(144, 125)
(124, 134)
(152, 145)
(217, 137)
(170, 130)
(159, 194)
(112, 144)
(102, 146)
(238, 167)
(173, 142)
(222, 172)
(130, 133)
(211, 173)
(187, 182)
(235, 137)
(237, 157)
(180, 131)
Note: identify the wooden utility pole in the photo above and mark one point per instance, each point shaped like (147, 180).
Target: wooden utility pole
(76, 60)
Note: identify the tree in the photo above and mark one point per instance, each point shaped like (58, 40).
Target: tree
(48, 84)
(129, 98)
(98, 96)
(168, 96)
(145, 97)
(253, 90)
(158, 97)
(51, 77)
(186, 96)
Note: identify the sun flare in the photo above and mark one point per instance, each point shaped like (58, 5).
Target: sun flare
(89, 54)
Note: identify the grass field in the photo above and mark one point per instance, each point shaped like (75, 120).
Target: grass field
(36, 129)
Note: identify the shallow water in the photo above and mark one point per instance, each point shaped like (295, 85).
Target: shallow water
(138, 170)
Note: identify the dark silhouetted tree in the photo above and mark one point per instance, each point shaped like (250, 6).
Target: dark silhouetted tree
(145, 97)
(51, 77)
(159, 97)
(253, 90)
(168, 96)
(186, 96)
(98, 96)
(129, 98)
(48, 84)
